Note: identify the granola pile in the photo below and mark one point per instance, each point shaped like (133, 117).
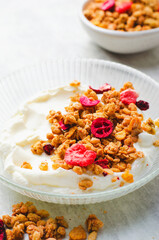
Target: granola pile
(123, 15)
(27, 219)
(96, 136)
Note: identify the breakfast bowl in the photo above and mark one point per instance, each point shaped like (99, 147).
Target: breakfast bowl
(26, 83)
(119, 41)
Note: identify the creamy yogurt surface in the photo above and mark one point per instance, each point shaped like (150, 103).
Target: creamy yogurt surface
(29, 124)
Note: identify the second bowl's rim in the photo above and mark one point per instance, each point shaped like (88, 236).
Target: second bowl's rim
(113, 32)
(129, 187)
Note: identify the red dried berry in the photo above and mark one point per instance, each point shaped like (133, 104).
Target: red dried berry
(142, 105)
(2, 231)
(102, 163)
(106, 87)
(123, 7)
(128, 96)
(48, 148)
(64, 126)
(108, 5)
(87, 102)
(78, 155)
(101, 127)
(105, 174)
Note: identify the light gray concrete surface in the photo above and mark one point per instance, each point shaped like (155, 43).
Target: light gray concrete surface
(35, 30)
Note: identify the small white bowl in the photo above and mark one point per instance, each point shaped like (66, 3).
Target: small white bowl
(120, 42)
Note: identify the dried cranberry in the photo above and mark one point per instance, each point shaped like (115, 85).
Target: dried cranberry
(105, 174)
(102, 163)
(78, 155)
(101, 127)
(2, 231)
(108, 5)
(48, 148)
(106, 87)
(142, 105)
(64, 126)
(128, 96)
(87, 102)
(123, 7)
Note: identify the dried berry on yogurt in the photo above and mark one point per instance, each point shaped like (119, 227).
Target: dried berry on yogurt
(123, 7)
(87, 102)
(101, 127)
(2, 231)
(48, 149)
(106, 87)
(102, 163)
(108, 5)
(78, 155)
(64, 126)
(142, 105)
(128, 96)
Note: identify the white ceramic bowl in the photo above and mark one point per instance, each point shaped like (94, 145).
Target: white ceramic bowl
(23, 84)
(120, 42)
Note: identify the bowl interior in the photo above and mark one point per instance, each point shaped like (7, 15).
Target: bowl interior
(23, 84)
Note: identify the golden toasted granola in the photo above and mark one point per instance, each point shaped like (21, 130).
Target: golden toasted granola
(118, 148)
(75, 83)
(26, 165)
(92, 235)
(156, 143)
(85, 183)
(78, 233)
(141, 15)
(49, 229)
(149, 126)
(93, 223)
(127, 176)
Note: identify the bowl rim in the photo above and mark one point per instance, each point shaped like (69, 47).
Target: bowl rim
(129, 188)
(113, 32)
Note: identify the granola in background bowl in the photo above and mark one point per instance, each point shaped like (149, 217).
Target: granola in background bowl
(123, 15)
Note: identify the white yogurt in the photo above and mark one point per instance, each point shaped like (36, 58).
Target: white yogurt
(30, 124)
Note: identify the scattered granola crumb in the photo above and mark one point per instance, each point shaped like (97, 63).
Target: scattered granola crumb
(122, 184)
(85, 183)
(93, 223)
(78, 233)
(92, 236)
(156, 143)
(27, 219)
(75, 83)
(26, 165)
(128, 177)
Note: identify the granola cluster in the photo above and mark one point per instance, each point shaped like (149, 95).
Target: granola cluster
(27, 219)
(113, 151)
(142, 15)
